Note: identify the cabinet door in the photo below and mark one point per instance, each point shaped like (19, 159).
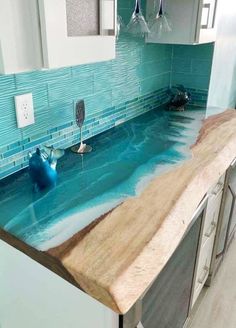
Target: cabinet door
(166, 304)
(77, 31)
(203, 267)
(206, 29)
(33, 297)
(232, 188)
(228, 215)
(20, 44)
(193, 21)
(207, 239)
(212, 216)
(183, 15)
(225, 223)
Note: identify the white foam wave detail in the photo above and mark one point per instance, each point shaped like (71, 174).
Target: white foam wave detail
(67, 226)
(65, 229)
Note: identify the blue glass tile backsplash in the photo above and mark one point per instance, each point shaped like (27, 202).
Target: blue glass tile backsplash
(114, 92)
(192, 65)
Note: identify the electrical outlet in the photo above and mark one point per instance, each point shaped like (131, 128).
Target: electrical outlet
(24, 110)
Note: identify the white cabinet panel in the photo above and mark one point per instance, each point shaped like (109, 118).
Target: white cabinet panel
(207, 27)
(20, 44)
(34, 297)
(36, 34)
(212, 216)
(207, 239)
(193, 21)
(203, 268)
(60, 48)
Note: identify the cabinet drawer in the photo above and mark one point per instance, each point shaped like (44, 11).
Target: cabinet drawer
(212, 216)
(203, 267)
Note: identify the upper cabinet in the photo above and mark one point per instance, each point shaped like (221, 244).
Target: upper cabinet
(20, 40)
(193, 21)
(36, 34)
(77, 31)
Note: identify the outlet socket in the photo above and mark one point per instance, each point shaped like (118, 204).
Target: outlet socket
(24, 110)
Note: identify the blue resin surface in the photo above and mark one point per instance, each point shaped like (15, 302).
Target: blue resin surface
(123, 161)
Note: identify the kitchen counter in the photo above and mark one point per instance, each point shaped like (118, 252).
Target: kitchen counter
(118, 254)
(124, 159)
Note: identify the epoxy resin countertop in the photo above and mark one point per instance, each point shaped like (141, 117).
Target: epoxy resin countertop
(117, 215)
(123, 160)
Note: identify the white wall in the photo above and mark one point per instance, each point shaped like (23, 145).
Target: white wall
(33, 297)
(222, 91)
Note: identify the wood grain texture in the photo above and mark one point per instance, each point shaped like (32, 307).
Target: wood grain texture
(117, 258)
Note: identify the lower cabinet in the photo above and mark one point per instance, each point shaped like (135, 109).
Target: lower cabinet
(167, 303)
(227, 221)
(31, 296)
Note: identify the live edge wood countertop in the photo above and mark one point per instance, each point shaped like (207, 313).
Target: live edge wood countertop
(117, 257)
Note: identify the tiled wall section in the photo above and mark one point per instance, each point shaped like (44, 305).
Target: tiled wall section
(191, 67)
(114, 91)
(15, 156)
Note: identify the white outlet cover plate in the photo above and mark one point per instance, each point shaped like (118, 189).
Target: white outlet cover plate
(24, 110)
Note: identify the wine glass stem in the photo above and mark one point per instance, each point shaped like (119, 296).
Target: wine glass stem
(81, 137)
(137, 7)
(161, 8)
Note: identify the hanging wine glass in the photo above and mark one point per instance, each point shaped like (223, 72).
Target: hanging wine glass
(160, 23)
(137, 25)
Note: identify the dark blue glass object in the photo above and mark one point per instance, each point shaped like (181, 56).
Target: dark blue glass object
(42, 170)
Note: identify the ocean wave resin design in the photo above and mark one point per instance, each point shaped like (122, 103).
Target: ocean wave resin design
(123, 161)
